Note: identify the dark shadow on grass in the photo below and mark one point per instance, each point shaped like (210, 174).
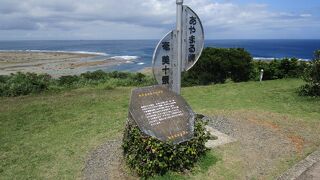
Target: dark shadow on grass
(202, 166)
(206, 162)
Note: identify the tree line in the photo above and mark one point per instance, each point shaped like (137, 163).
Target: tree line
(216, 65)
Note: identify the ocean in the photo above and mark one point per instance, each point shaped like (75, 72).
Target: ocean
(140, 52)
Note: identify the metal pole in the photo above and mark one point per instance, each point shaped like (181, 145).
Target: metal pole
(261, 75)
(177, 82)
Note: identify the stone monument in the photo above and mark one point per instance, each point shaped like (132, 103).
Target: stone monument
(162, 114)
(160, 111)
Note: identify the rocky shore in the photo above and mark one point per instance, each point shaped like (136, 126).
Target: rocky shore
(54, 63)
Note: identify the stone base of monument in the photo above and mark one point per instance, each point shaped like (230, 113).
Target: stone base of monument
(107, 161)
(220, 140)
(148, 156)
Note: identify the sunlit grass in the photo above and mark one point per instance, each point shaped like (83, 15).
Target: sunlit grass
(49, 136)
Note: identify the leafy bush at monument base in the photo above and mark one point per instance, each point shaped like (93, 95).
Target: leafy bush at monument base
(312, 77)
(26, 83)
(217, 64)
(148, 156)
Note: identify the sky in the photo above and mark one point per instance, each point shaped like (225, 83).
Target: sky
(151, 19)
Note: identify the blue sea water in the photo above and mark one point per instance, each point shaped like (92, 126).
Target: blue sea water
(140, 51)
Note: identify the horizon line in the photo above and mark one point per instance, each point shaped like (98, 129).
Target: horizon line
(151, 39)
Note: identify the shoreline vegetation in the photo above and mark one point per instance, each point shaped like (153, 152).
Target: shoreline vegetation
(31, 83)
(61, 70)
(61, 63)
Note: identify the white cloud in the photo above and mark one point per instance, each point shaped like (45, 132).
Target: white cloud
(305, 15)
(136, 19)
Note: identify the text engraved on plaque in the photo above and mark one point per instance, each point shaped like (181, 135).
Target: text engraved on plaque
(161, 111)
(162, 114)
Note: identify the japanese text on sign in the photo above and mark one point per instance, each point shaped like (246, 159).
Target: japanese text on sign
(161, 111)
(192, 39)
(166, 63)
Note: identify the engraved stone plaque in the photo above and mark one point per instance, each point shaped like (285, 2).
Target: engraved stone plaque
(162, 114)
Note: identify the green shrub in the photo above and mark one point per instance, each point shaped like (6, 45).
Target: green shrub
(309, 90)
(96, 75)
(23, 84)
(312, 77)
(148, 156)
(100, 77)
(289, 67)
(118, 78)
(279, 68)
(119, 75)
(3, 78)
(68, 80)
(217, 64)
(271, 69)
(138, 77)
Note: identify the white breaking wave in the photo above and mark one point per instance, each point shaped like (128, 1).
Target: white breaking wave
(53, 51)
(304, 59)
(129, 62)
(129, 58)
(140, 63)
(264, 58)
(272, 58)
(89, 52)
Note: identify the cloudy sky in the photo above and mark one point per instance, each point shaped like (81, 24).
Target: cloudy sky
(151, 19)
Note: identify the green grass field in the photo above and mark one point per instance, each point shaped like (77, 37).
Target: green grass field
(49, 136)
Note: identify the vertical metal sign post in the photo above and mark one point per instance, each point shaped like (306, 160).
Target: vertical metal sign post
(179, 49)
(177, 70)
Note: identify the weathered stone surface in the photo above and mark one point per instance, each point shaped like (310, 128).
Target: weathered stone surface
(162, 114)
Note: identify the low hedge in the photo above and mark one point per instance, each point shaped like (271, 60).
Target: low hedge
(23, 84)
(279, 69)
(148, 156)
(27, 83)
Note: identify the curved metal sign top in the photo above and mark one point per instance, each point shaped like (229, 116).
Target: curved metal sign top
(192, 37)
(165, 60)
(162, 60)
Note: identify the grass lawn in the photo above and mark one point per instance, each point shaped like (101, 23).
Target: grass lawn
(49, 136)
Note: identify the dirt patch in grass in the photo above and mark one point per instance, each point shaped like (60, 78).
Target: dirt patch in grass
(106, 162)
(295, 139)
(268, 143)
(259, 148)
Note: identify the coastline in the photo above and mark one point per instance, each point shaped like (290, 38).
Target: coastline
(53, 63)
(61, 63)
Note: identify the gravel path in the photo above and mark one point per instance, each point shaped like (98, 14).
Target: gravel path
(106, 162)
(306, 169)
(261, 145)
(313, 173)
